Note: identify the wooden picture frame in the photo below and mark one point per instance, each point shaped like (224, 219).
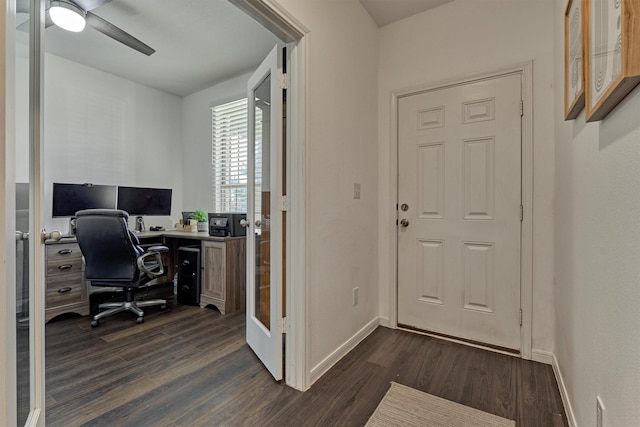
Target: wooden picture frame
(612, 54)
(574, 53)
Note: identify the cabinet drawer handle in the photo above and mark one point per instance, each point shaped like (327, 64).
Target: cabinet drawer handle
(65, 266)
(65, 251)
(63, 290)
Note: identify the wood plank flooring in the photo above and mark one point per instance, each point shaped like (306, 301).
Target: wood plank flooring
(187, 366)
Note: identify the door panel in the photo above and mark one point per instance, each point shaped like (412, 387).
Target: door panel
(22, 397)
(265, 231)
(459, 238)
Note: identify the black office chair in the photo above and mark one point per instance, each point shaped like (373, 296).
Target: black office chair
(114, 258)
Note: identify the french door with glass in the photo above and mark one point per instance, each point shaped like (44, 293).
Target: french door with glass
(265, 216)
(22, 294)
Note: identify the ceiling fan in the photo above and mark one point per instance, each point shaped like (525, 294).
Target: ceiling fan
(78, 12)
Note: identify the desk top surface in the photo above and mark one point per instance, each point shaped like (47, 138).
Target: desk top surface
(171, 234)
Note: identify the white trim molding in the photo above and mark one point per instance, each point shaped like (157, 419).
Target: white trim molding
(275, 18)
(564, 394)
(386, 322)
(542, 356)
(328, 362)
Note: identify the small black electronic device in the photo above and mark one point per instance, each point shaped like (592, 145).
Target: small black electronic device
(156, 228)
(227, 224)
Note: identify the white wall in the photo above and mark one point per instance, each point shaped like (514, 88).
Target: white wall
(103, 129)
(341, 149)
(597, 246)
(196, 140)
(456, 40)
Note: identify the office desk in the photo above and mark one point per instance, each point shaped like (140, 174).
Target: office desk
(223, 265)
(223, 270)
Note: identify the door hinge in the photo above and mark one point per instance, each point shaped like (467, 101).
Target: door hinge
(520, 317)
(283, 81)
(521, 213)
(521, 108)
(283, 325)
(284, 203)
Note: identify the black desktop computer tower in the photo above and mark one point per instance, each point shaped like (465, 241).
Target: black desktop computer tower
(188, 286)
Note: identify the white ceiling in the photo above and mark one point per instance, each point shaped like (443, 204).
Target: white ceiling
(385, 12)
(198, 43)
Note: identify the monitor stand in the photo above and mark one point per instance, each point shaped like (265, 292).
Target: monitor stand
(139, 224)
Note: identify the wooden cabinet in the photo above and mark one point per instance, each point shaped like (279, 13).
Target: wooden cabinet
(66, 289)
(224, 274)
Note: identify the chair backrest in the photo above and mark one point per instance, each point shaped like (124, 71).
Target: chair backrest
(108, 246)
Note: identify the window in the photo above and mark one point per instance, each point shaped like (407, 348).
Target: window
(229, 156)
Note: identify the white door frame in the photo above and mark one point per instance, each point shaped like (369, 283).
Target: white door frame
(8, 402)
(526, 254)
(285, 26)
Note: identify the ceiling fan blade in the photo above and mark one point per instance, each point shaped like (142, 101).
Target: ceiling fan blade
(88, 5)
(116, 33)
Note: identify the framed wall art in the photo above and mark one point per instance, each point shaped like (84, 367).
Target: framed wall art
(573, 59)
(612, 56)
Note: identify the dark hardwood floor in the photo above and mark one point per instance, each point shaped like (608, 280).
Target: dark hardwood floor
(187, 366)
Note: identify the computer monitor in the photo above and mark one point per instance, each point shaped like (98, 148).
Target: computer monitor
(71, 198)
(145, 201)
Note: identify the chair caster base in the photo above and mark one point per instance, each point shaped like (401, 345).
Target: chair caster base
(95, 323)
(140, 319)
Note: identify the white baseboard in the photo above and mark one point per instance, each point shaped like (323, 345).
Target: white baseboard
(384, 321)
(542, 356)
(571, 419)
(321, 368)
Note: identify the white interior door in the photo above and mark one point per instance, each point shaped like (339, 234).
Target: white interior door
(265, 216)
(22, 394)
(459, 212)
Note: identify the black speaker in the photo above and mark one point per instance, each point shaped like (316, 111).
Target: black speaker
(188, 275)
(139, 224)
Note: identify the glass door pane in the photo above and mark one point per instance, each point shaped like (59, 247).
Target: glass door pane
(262, 198)
(23, 173)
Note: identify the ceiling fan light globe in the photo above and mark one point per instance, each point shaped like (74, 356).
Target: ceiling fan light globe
(67, 16)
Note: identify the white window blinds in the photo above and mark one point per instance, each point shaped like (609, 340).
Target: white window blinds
(229, 155)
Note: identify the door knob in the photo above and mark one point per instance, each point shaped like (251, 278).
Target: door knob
(244, 223)
(404, 222)
(51, 235)
(258, 223)
(22, 235)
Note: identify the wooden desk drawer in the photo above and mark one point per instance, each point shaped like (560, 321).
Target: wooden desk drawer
(65, 289)
(66, 266)
(63, 252)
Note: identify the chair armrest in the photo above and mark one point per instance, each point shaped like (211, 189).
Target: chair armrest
(152, 270)
(158, 248)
